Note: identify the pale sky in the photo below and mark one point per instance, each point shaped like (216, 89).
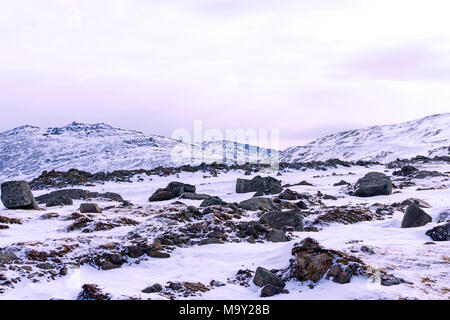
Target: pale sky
(307, 68)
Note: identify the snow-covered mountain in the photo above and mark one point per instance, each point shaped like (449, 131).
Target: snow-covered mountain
(429, 136)
(27, 151)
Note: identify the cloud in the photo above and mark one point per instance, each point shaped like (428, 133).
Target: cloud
(304, 67)
(414, 62)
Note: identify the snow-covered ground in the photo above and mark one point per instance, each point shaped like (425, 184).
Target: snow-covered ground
(402, 252)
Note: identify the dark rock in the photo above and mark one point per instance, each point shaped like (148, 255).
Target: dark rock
(341, 183)
(415, 217)
(329, 197)
(264, 277)
(270, 290)
(194, 196)
(178, 188)
(417, 202)
(76, 194)
(406, 171)
(154, 288)
(440, 233)
(338, 274)
(116, 258)
(45, 266)
(6, 257)
(17, 195)
(312, 262)
(90, 208)
(255, 204)
(266, 185)
(92, 292)
(136, 251)
(302, 205)
(287, 196)
(157, 254)
(108, 265)
(276, 236)
(161, 195)
(388, 280)
(280, 219)
(373, 184)
(212, 201)
(59, 201)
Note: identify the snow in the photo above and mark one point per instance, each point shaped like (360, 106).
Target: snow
(429, 136)
(402, 252)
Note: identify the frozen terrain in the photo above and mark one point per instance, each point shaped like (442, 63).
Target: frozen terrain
(28, 150)
(406, 253)
(429, 136)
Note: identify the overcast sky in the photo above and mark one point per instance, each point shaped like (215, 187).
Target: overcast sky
(306, 67)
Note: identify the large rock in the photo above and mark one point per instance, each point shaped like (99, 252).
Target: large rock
(255, 204)
(17, 195)
(59, 201)
(178, 188)
(194, 196)
(212, 201)
(283, 219)
(90, 208)
(270, 290)
(266, 185)
(60, 197)
(373, 184)
(161, 194)
(415, 217)
(440, 233)
(264, 277)
(312, 263)
(173, 190)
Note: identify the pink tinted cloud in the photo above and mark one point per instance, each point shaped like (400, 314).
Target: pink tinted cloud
(418, 62)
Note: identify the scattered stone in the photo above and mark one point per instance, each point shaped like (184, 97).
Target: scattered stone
(388, 280)
(90, 208)
(161, 195)
(288, 195)
(136, 251)
(440, 233)
(282, 219)
(367, 249)
(17, 195)
(276, 236)
(7, 257)
(415, 217)
(59, 201)
(341, 183)
(194, 196)
(266, 185)
(312, 263)
(264, 277)
(45, 266)
(301, 205)
(270, 290)
(92, 292)
(61, 196)
(255, 204)
(418, 202)
(373, 184)
(212, 201)
(154, 288)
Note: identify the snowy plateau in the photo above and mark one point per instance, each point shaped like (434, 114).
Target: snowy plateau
(208, 234)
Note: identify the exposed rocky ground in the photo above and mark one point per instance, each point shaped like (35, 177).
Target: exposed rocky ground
(329, 229)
